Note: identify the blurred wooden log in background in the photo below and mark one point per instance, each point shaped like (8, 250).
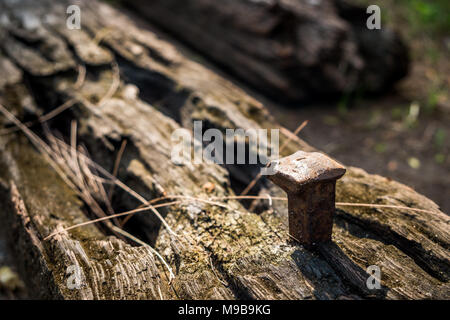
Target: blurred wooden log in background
(220, 252)
(290, 49)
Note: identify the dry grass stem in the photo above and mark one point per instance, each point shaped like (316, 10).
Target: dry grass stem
(116, 166)
(114, 85)
(66, 105)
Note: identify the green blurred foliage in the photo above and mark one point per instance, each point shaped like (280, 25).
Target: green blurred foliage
(433, 16)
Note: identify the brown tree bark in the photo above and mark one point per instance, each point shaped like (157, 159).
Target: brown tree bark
(290, 49)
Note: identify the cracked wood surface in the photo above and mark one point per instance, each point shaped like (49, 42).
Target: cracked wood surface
(220, 253)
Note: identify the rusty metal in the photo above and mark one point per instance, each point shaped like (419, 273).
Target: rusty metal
(309, 179)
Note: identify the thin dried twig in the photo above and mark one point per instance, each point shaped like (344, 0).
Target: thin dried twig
(66, 105)
(46, 117)
(116, 166)
(338, 204)
(193, 199)
(294, 135)
(114, 85)
(105, 218)
(265, 197)
(81, 77)
(386, 206)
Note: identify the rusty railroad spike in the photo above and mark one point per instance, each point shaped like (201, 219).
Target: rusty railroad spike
(309, 179)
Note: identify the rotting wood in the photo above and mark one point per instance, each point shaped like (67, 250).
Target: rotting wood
(220, 253)
(290, 49)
